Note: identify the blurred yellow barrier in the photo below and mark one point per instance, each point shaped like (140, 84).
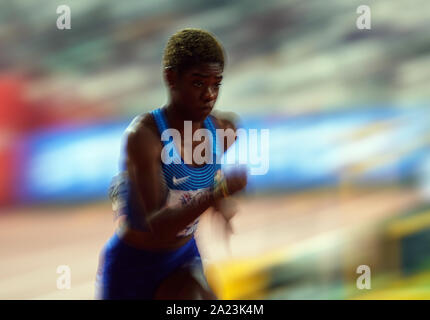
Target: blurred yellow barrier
(408, 225)
(245, 278)
(416, 287)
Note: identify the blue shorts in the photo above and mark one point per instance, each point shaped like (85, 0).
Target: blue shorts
(126, 272)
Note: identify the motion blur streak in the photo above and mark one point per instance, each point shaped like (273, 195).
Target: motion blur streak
(347, 109)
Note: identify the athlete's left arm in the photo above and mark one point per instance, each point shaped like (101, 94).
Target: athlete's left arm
(228, 122)
(227, 208)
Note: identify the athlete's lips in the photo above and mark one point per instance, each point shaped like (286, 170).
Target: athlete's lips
(206, 108)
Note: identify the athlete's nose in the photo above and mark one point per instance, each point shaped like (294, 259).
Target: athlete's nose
(209, 94)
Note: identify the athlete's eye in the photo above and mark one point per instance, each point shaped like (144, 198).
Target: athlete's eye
(198, 84)
(218, 85)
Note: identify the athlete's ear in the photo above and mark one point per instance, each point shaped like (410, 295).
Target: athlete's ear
(170, 76)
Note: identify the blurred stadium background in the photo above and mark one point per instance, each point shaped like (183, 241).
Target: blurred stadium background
(348, 113)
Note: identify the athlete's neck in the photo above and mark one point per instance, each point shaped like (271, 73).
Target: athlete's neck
(176, 118)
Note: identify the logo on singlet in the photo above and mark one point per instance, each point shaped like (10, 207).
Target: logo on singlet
(177, 181)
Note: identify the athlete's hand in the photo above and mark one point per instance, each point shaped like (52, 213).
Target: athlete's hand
(227, 208)
(236, 180)
(223, 211)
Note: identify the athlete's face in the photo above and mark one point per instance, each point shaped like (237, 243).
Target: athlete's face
(197, 88)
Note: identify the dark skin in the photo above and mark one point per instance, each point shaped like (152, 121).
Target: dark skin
(192, 95)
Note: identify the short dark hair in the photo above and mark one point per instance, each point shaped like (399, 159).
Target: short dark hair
(190, 47)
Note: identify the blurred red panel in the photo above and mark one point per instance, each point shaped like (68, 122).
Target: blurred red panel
(7, 174)
(21, 114)
(12, 106)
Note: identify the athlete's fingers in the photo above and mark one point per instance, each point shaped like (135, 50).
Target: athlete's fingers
(228, 231)
(226, 207)
(222, 227)
(236, 179)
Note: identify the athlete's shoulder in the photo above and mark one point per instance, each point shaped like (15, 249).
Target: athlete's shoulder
(143, 136)
(143, 123)
(225, 120)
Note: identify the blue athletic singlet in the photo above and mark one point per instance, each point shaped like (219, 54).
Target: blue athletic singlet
(183, 181)
(128, 273)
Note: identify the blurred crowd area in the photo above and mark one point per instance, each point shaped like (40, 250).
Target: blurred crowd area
(347, 109)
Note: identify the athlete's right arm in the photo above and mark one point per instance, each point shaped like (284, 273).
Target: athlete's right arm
(144, 156)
